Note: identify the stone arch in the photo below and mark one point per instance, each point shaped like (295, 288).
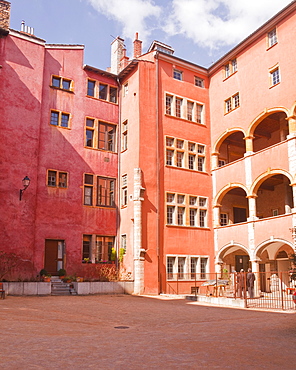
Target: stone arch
(234, 257)
(276, 244)
(230, 146)
(264, 176)
(219, 196)
(263, 115)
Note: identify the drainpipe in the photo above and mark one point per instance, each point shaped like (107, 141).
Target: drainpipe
(138, 250)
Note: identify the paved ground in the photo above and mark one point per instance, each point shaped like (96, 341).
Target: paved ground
(82, 333)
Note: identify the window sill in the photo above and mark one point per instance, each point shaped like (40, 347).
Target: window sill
(64, 128)
(270, 47)
(272, 86)
(188, 227)
(227, 78)
(59, 88)
(186, 169)
(232, 110)
(184, 120)
(100, 150)
(102, 100)
(100, 207)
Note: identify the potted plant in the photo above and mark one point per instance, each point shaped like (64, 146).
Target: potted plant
(47, 278)
(62, 273)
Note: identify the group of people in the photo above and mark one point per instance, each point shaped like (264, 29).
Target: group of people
(245, 281)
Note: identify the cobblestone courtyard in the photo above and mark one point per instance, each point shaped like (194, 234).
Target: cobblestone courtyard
(128, 332)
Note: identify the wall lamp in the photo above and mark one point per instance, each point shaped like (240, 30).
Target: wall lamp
(26, 183)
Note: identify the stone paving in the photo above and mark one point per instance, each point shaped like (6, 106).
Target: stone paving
(129, 332)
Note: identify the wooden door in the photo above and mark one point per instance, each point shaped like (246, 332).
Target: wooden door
(53, 258)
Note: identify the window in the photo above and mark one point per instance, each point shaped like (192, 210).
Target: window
(203, 267)
(61, 83)
(125, 89)
(232, 103)
(274, 76)
(178, 107)
(185, 154)
(221, 162)
(187, 267)
(170, 267)
(123, 242)
(101, 91)
(190, 111)
(124, 136)
(168, 104)
(170, 215)
(124, 191)
(100, 135)
(101, 187)
(178, 75)
(186, 210)
(59, 119)
(169, 157)
(199, 113)
(91, 88)
(183, 108)
(181, 267)
(192, 216)
(236, 101)
(223, 219)
(275, 212)
(57, 179)
(105, 192)
(272, 38)
(234, 65)
(193, 267)
(199, 82)
(97, 248)
(230, 68)
(86, 247)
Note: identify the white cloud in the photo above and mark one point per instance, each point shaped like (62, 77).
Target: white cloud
(212, 24)
(216, 23)
(134, 15)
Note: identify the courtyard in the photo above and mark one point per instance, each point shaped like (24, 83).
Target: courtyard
(131, 332)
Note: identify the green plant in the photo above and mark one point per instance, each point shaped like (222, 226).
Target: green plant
(121, 254)
(113, 254)
(43, 272)
(62, 272)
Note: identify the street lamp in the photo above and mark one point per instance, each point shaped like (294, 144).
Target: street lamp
(26, 183)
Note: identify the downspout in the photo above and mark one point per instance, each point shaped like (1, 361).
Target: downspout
(119, 172)
(157, 175)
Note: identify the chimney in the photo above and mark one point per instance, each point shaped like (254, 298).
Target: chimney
(117, 54)
(4, 14)
(137, 46)
(124, 60)
(26, 29)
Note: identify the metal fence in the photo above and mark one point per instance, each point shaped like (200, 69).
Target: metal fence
(268, 290)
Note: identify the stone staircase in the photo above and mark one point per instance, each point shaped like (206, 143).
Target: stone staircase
(58, 287)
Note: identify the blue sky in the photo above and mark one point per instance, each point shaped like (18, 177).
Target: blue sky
(200, 31)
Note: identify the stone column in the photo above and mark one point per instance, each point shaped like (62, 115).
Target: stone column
(255, 269)
(249, 144)
(216, 215)
(138, 250)
(252, 208)
(292, 124)
(215, 160)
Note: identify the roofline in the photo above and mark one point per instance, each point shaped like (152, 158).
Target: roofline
(254, 36)
(64, 46)
(100, 71)
(26, 36)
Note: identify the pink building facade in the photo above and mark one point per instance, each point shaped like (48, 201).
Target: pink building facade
(166, 168)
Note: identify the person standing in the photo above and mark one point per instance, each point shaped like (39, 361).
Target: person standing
(240, 283)
(250, 283)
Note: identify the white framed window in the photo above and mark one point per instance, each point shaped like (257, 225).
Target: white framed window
(62, 83)
(125, 89)
(124, 130)
(57, 179)
(184, 108)
(124, 191)
(123, 242)
(223, 219)
(187, 267)
(232, 103)
(274, 76)
(177, 74)
(271, 38)
(230, 68)
(185, 154)
(186, 210)
(199, 82)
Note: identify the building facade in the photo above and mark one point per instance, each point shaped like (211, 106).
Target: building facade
(166, 168)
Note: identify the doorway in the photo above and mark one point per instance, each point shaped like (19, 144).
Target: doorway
(242, 262)
(54, 256)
